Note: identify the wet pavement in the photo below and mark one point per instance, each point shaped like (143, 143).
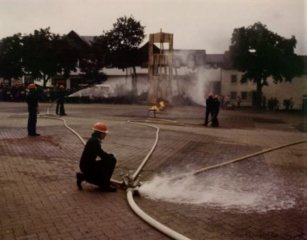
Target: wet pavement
(263, 197)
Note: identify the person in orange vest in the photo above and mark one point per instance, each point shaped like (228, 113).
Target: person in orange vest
(97, 172)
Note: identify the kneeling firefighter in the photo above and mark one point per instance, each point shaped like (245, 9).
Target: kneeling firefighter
(97, 172)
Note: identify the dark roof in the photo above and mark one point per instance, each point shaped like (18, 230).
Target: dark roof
(185, 57)
(214, 58)
(144, 51)
(88, 39)
(77, 40)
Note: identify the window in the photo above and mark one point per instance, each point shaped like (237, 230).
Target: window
(233, 95)
(233, 78)
(244, 95)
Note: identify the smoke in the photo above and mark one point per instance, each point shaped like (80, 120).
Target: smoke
(122, 86)
(113, 87)
(192, 81)
(192, 77)
(217, 190)
(197, 84)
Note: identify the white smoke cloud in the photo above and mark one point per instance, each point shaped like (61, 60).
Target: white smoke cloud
(191, 82)
(192, 77)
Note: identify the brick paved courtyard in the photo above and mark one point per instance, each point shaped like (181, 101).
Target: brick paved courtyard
(39, 198)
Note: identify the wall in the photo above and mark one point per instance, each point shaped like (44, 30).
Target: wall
(285, 90)
(227, 87)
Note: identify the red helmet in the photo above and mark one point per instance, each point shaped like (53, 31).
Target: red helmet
(100, 127)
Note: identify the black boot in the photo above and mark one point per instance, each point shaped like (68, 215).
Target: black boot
(108, 188)
(80, 178)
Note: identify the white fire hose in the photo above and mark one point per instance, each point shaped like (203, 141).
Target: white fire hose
(238, 159)
(159, 226)
(154, 223)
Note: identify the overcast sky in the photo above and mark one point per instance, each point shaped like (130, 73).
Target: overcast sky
(196, 24)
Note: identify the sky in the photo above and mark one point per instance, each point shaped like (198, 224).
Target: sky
(196, 24)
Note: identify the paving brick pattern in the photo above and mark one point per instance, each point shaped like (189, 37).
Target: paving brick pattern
(39, 199)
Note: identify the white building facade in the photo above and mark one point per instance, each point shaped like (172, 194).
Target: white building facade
(232, 87)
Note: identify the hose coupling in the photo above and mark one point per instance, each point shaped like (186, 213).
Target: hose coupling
(130, 182)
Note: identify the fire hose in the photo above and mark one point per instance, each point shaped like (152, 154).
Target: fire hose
(132, 181)
(195, 172)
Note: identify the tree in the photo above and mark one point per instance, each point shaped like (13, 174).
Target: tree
(10, 57)
(39, 56)
(123, 42)
(260, 53)
(66, 55)
(95, 59)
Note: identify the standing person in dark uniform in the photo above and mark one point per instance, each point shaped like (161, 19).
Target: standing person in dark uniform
(60, 95)
(215, 111)
(209, 108)
(32, 101)
(98, 172)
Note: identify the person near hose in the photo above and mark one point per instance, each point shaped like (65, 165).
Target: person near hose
(209, 109)
(215, 111)
(32, 101)
(97, 172)
(60, 94)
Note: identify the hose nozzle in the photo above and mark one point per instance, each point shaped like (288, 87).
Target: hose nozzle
(130, 182)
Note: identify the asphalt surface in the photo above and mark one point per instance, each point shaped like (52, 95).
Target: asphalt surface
(263, 197)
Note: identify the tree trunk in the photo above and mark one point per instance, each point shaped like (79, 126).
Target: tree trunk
(45, 80)
(10, 81)
(134, 82)
(259, 94)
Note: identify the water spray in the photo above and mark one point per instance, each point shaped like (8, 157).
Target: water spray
(132, 180)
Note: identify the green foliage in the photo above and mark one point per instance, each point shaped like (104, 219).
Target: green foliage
(10, 57)
(95, 59)
(66, 54)
(123, 42)
(39, 57)
(260, 53)
(44, 55)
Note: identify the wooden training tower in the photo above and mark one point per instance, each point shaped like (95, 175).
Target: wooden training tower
(160, 67)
